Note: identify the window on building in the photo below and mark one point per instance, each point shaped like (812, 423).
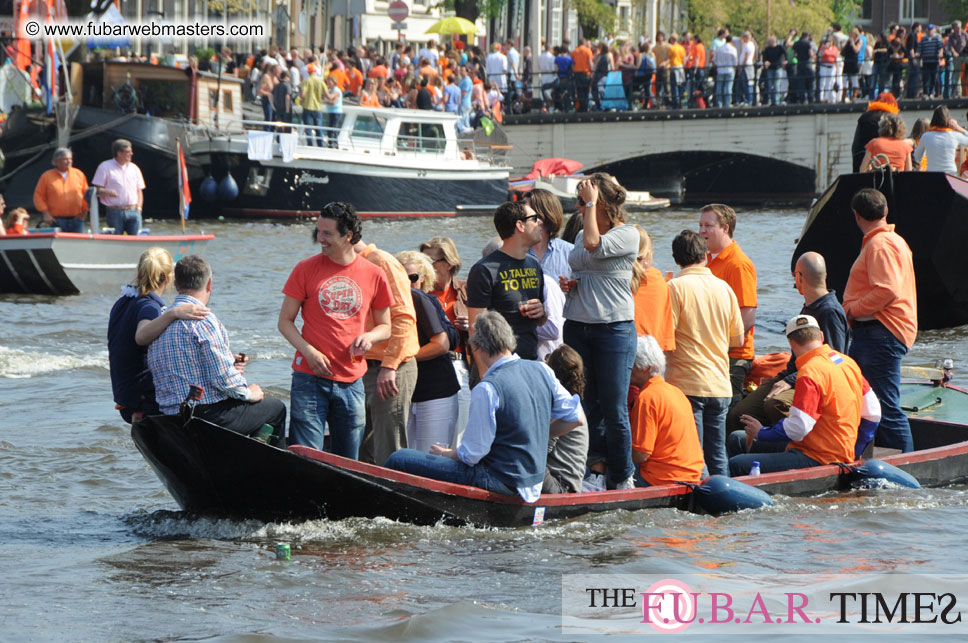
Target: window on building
(866, 10)
(914, 9)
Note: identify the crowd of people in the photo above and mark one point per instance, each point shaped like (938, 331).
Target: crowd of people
(560, 365)
(663, 72)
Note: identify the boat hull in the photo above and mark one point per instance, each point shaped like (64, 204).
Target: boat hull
(280, 190)
(61, 263)
(928, 209)
(210, 470)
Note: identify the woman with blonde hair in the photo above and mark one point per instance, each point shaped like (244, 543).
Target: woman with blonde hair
(451, 292)
(433, 407)
(599, 322)
(653, 308)
(136, 320)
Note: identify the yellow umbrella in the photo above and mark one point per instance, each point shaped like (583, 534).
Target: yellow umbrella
(453, 25)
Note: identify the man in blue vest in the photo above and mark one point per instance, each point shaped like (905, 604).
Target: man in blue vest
(513, 410)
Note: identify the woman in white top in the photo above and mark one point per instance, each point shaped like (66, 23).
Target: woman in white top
(599, 322)
(940, 143)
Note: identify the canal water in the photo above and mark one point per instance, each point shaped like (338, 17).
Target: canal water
(93, 548)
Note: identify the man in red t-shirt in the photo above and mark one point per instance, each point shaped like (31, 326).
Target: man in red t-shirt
(334, 292)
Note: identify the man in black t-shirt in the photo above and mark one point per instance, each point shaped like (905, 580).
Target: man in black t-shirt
(774, 55)
(806, 55)
(509, 281)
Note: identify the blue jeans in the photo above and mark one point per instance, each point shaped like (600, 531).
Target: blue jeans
(124, 221)
(878, 353)
(438, 467)
(70, 224)
(314, 400)
(333, 120)
(710, 414)
(770, 462)
(313, 136)
(724, 87)
(608, 351)
(772, 75)
(878, 79)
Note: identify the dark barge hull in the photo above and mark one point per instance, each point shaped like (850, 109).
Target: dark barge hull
(929, 209)
(290, 191)
(210, 470)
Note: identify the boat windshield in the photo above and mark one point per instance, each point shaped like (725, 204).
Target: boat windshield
(421, 137)
(368, 126)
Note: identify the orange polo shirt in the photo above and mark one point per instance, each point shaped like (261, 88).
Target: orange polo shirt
(582, 58)
(403, 343)
(735, 268)
(828, 398)
(61, 198)
(881, 284)
(663, 427)
(653, 310)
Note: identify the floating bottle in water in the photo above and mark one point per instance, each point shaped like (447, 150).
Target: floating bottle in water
(755, 469)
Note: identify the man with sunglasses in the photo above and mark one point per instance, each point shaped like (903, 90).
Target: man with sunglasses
(509, 280)
(335, 292)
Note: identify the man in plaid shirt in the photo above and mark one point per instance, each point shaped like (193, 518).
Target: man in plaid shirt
(197, 352)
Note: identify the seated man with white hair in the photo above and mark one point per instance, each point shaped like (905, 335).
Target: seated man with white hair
(665, 444)
(516, 407)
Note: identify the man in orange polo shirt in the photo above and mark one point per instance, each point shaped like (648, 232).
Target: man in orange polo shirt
(391, 373)
(664, 445)
(354, 78)
(59, 195)
(832, 402)
(717, 223)
(880, 300)
(582, 70)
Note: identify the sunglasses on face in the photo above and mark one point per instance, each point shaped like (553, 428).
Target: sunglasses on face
(414, 277)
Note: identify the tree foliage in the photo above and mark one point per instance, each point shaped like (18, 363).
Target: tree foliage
(706, 16)
(594, 15)
(474, 9)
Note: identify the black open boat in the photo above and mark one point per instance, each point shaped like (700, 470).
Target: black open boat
(210, 470)
(928, 209)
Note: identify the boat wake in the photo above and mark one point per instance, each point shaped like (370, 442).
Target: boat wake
(16, 363)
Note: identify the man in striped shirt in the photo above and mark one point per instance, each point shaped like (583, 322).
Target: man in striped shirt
(196, 352)
(929, 49)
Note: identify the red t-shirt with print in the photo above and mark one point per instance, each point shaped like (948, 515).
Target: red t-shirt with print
(336, 300)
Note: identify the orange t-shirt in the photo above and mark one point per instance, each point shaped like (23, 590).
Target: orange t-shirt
(663, 426)
(897, 150)
(336, 301)
(17, 228)
(340, 77)
(677, 54)
(355, 81)
(735, 268)
(653, 310)
(370, 100)
(378, 71)
(582, 59)
(700, 55)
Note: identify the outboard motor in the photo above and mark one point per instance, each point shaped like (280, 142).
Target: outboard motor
(871, 472)
(719, 495)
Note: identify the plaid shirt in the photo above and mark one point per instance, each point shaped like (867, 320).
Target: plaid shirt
(194, 352)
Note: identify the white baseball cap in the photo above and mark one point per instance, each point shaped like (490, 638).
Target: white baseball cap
(801, 321)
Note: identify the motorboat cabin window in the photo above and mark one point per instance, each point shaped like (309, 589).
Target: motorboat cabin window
(421, 137)
(369, 127)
